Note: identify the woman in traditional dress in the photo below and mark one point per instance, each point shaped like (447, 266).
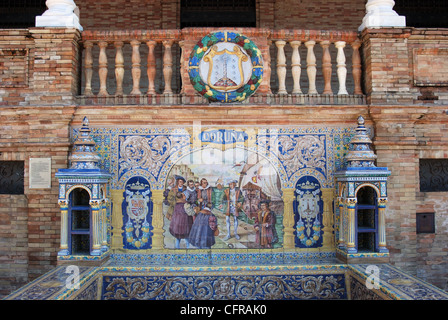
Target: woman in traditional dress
(181, 222)
(204, 229)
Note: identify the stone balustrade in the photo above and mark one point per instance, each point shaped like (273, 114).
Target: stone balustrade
(150, 66)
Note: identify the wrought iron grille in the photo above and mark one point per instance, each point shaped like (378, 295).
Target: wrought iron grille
(20, 13)
(217, 13)
(433, 175)
(12, 177)
(423, 13)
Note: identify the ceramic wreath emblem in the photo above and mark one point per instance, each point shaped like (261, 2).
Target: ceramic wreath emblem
(225, 67)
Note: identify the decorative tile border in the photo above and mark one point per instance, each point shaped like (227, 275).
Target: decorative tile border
(342, 282)
(399, 285)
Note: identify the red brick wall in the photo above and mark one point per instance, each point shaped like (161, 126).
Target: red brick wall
(13, 242)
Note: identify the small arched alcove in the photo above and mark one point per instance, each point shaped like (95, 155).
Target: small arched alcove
(79, 222)
(366, 216)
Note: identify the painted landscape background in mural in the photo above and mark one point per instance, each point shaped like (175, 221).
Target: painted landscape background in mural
(223, 199)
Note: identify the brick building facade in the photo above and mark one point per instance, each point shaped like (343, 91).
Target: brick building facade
(396, 79)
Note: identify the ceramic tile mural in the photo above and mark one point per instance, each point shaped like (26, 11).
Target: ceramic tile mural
(222, 186)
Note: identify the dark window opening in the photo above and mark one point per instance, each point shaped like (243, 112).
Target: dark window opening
(12, 177)
(425, 222)
(20, 13)
(367, 220)
(217, 13)
(433, 175)
(80, 222)
(423, 13)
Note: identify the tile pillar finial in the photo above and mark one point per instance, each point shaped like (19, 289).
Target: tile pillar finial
(60, 14)
(380, 13)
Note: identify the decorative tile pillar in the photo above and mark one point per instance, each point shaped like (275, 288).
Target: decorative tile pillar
(117, 219)
(341, 241)
(64, 227)
(104, 225)
(351, 227)
(328, 236)
(288, 218)
(382, 225)
(95, 204)
(157, 221)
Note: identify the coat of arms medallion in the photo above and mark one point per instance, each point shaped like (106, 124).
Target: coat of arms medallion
(225, 67)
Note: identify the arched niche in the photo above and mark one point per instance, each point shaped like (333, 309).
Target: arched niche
(366, 218)
(79, 221)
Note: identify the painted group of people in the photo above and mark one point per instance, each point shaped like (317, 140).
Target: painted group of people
(191, 218)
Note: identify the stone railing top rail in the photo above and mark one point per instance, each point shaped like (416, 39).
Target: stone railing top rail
(197, 33)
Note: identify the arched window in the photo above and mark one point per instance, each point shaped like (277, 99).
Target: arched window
(367, 220)
(79, 222)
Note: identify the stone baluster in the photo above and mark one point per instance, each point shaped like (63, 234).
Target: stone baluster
(183, 66)
(311, 66)
(88, 62)
(151, 70)
(326, 66)
(296, 66)
(167, 65)
(136, 72)
(102, 68)
(281, 67)
(356, 66)
(267, 69)
(342, 70)
(119, 67)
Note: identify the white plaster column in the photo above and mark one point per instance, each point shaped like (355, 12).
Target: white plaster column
(380, 13)
(60, 13)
